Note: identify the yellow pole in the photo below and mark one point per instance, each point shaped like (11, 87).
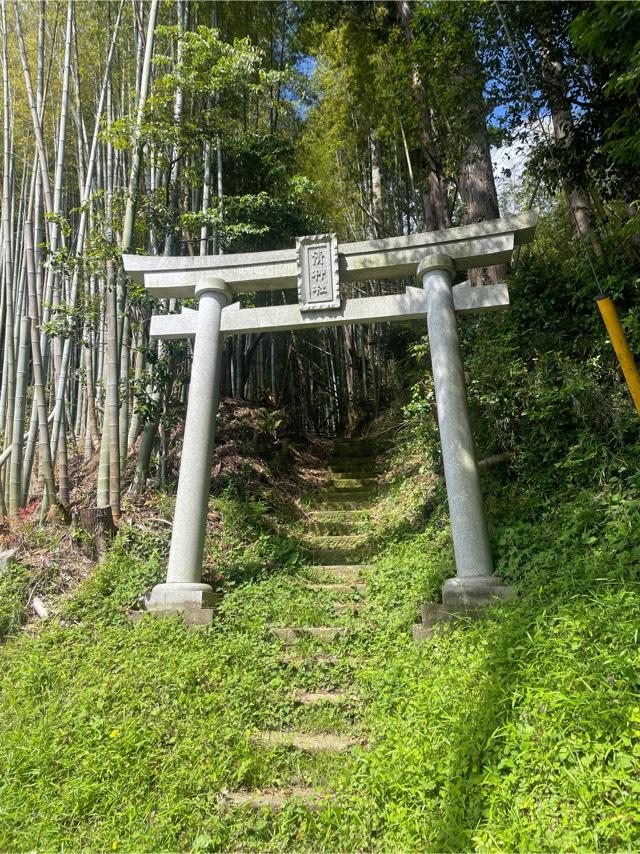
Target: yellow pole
(619, 341)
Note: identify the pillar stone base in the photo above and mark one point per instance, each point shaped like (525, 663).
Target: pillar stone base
(195, 602)
(179, 595)
(474, 591)
(462, 599)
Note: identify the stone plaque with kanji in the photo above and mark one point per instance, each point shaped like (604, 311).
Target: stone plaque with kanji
(318, 284)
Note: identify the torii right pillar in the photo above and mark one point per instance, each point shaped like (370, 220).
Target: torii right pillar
(475, 583)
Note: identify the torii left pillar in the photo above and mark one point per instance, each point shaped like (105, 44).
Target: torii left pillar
(183, 590)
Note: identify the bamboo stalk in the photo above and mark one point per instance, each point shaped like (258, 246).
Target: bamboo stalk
(113, 377)
(22, 379)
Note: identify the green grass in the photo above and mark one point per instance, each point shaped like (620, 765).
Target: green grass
(14, 586)
(518, 732)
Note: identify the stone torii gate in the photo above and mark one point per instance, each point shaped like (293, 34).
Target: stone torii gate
(316, 268)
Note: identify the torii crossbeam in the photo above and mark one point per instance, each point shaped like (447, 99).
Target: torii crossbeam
(316, 268)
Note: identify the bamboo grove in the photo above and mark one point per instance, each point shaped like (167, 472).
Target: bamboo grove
(184, 127)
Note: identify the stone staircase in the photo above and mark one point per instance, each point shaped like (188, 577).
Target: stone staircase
(338, 544)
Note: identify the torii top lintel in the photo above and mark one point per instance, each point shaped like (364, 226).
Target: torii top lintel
(478, 245)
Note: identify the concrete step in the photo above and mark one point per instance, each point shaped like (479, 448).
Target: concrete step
(275, 799)
(435, 615)
(335, 541)
(342, 557)
(360, 451)
(349, 491)
(346, 499)
(359, 460)
(331, 523)
(355, 587)
(362, 460)
(344, 482)
(351, 516)
(340, 573)
(291, 634)
(334, 503)
(307, 742)
(333, 529)
(349, 607)
(353, 470)
(337, 548)
(320, 698)
(297, 660)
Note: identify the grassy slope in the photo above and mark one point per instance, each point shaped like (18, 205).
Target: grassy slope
(518, 732)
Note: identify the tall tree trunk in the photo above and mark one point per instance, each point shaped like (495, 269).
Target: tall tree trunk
(140, 362)
(377, 200)
(44, 451)
(174, 173)
(112, 413)
(35, 118)
(7, 251)
(22, 379)
(136, 159)
(478, 192)
(59, 447)
(554, 81)
(437, 217)
(66, 354)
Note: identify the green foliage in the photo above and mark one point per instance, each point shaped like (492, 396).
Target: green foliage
(608, 35)
(358, 94)
(133, 564)
(517, 733)
(14, 586)
(412, 569)
(250, 544)
(543, 381)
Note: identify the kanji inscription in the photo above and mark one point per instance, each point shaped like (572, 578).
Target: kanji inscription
(318, 286)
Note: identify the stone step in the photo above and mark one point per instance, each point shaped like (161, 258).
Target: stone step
(343, 557)
(354, 516)
(297, 660)
(336, 522)
(320, 698)
(333, 529)
(307, 742)
(275, 799)
(349, 607)
(343, 482)
(349, 491)
(347, 499)
(357, 471)
(361, 460)
(335, 541)
(351, 450)
(358, 458)
(338, 503)
(291, 634)
(344, 573)
(354, 587)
